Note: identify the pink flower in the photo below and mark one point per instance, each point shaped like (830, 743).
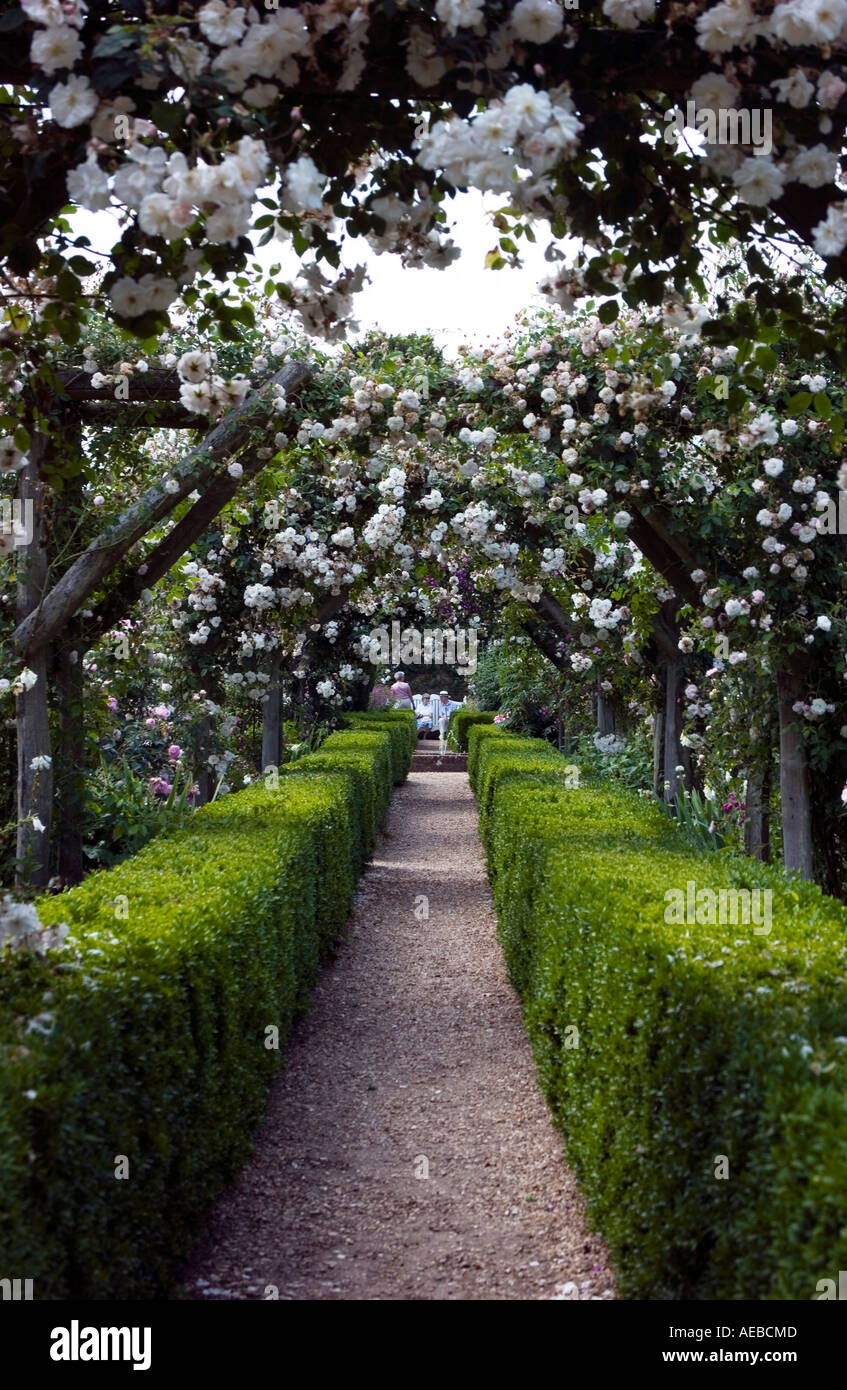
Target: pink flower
(830, 90)
(112, 703)
(174, 751)
(161, 711)
(150, 723)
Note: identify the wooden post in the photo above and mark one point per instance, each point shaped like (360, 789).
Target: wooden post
(659, 746)
(206, 779)
(605, 714)
(672, 745)
(757, 814)
(794, 782)
(271, 722)
(70, 763)
(35, 786)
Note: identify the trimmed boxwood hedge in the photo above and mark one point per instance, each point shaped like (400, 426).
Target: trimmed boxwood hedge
(148, 1039)
(461, 721)
(401, 725)
(478, 736)
(694, 1041)
(497, 757)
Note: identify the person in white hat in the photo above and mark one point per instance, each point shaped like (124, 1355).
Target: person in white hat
(443, 710)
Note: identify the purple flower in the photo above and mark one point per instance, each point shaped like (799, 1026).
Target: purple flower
(113, 704)
(149, 723)
(161, 711)
(174, 752)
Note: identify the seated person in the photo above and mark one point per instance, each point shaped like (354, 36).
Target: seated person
(425, 712)
(443, 709)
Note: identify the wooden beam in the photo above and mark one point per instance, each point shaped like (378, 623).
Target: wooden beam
(199, 469)
(163, 385)
(155, 415)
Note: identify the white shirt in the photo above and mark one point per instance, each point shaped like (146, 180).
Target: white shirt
(443, 709)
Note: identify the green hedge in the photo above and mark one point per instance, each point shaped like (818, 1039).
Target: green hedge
(694, 1041)
(180, 960)
(351, 773)
(461, 721)
(375, 746)
(370, 773)
(401, 725)
(478, 736)
(497, 757)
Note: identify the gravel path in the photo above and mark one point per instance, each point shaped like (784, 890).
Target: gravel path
(407, 1152)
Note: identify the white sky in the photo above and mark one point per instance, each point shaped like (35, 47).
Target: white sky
(463, 303)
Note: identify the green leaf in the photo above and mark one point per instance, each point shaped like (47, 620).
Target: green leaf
(745, 348)
(114, 42)
(823, 405)
(766, 358)
(799, 402)
(68, 285)
(80, 266)
(168, 115)
(608, 311)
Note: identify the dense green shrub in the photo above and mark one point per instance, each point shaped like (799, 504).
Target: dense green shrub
(376, 744)
(478, 736)
(148, 1035)
(497, 760)
(352, 772)
(694, 1041)
(401, 725)
(122, 813)
(461, 721)
(370, 773)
